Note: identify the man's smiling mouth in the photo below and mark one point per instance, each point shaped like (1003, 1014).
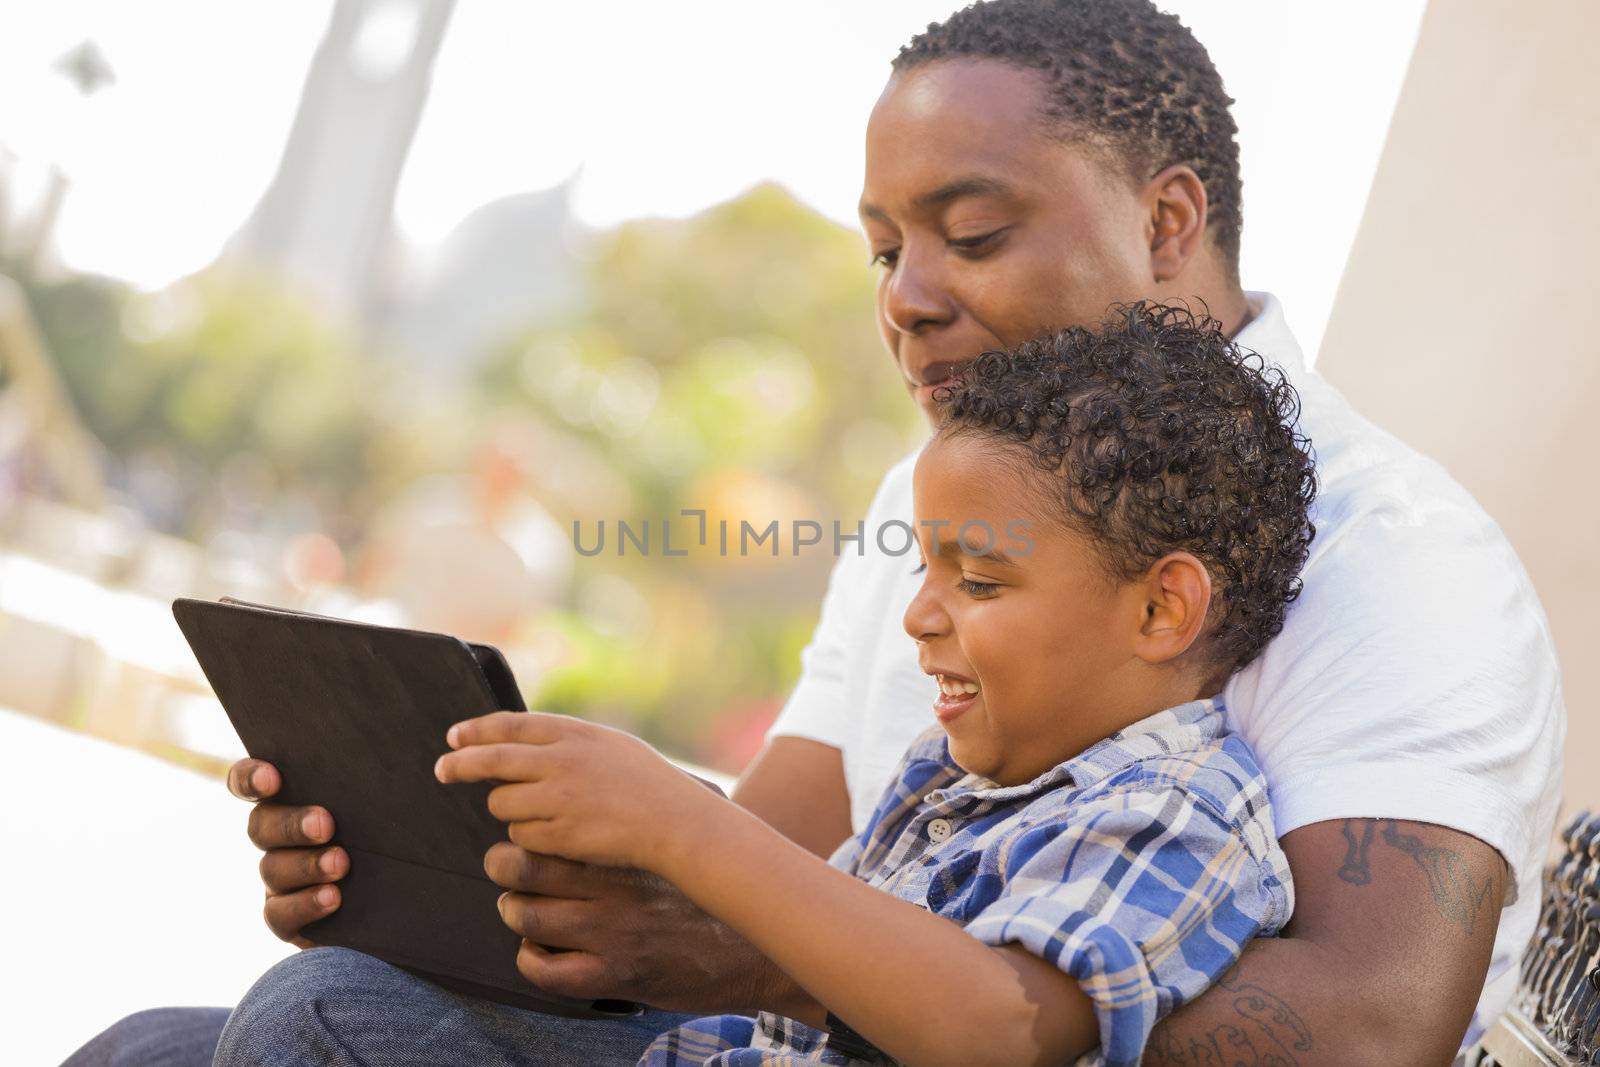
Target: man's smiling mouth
(937, 373)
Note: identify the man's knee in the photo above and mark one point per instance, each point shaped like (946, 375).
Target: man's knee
(338, 1007)
(322, 1005)
(157, 1037)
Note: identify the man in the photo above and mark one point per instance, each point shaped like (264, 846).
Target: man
(1028, 164)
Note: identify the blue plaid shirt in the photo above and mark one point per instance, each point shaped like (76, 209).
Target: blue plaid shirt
(1141, 868)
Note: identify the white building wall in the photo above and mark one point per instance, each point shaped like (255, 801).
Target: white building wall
(1468, 323)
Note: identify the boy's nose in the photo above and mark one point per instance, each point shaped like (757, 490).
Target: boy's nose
(924, 619)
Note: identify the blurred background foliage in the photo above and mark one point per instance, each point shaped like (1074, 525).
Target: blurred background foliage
(727, 362)
(730, 363)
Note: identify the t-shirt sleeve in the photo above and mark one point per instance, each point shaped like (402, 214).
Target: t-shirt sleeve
(1414, 679)
(820, 707)
(1146, 896)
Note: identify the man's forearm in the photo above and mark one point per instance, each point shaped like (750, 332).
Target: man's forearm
(1262, 1013)
(797, 787)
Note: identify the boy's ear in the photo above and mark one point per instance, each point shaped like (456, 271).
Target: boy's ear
(1176, 595)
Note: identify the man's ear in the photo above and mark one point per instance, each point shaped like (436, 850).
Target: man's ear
(1175, 219)
(1176, 592)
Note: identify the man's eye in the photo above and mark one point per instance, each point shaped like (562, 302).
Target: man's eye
(978, 589)
(973, 244)
(920, 568)
(887, 258)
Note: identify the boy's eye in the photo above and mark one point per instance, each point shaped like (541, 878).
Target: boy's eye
(978, 589)
(886, 258)
(920, 568)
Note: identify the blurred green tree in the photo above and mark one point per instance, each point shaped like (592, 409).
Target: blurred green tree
(218, 367)
(728, 362)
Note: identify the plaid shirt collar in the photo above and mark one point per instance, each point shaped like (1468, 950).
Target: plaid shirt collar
(1185, 727)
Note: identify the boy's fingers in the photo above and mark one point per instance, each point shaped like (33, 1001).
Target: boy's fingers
(253, 779)
(536, 835)
(528, 727)
(506, 761)
(520, 800)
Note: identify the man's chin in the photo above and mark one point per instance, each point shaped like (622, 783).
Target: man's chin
(924, 396)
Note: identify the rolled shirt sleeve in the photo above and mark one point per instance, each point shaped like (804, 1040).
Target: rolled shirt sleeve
(1146, 896)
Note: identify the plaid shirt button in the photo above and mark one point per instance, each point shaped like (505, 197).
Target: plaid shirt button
(939, 830)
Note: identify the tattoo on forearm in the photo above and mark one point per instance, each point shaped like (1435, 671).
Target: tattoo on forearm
(1264, 1032)
(1449, 879)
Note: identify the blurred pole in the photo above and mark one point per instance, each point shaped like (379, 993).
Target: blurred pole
(33, 255)
(326, 221)
(70, 453)
(86, 68)
(5, 201)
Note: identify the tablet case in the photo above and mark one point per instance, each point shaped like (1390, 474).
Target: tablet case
(354, 715)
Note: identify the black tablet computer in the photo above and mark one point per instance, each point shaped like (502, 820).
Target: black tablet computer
(354, 715)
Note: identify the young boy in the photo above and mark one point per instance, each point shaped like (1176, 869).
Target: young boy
(1111, 522)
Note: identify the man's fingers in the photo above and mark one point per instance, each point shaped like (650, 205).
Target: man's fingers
(507, 761)
(279, 826)
(570, 974)
(513, 867)
(289, 913)
(253, 779)
(527, 727)
(549, 921)
(285, 870)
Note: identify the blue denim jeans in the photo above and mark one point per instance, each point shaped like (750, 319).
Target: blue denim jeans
(338, 1007)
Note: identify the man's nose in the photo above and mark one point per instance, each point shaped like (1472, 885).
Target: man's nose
(915, 297)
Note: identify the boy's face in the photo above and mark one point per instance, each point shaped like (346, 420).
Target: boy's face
(1044, 637)
(989, 228)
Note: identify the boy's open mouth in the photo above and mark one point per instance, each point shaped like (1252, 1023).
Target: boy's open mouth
(956, 695)
(954, 687)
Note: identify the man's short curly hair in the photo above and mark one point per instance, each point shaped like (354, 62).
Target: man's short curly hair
(1155, 433)
(1123, 76)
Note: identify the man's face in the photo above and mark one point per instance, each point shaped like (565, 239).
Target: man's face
(989, 229)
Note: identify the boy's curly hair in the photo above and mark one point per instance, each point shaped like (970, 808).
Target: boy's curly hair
(1156, 433)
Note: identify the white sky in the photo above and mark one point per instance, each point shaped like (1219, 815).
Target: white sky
(666, 109)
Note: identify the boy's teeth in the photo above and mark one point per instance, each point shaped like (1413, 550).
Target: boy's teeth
(952, 688)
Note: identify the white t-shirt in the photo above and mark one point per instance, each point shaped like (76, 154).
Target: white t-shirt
(1415, 677)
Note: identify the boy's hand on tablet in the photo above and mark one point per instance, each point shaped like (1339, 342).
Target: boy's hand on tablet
(576, 789)
(297, 870)
(585, 803)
